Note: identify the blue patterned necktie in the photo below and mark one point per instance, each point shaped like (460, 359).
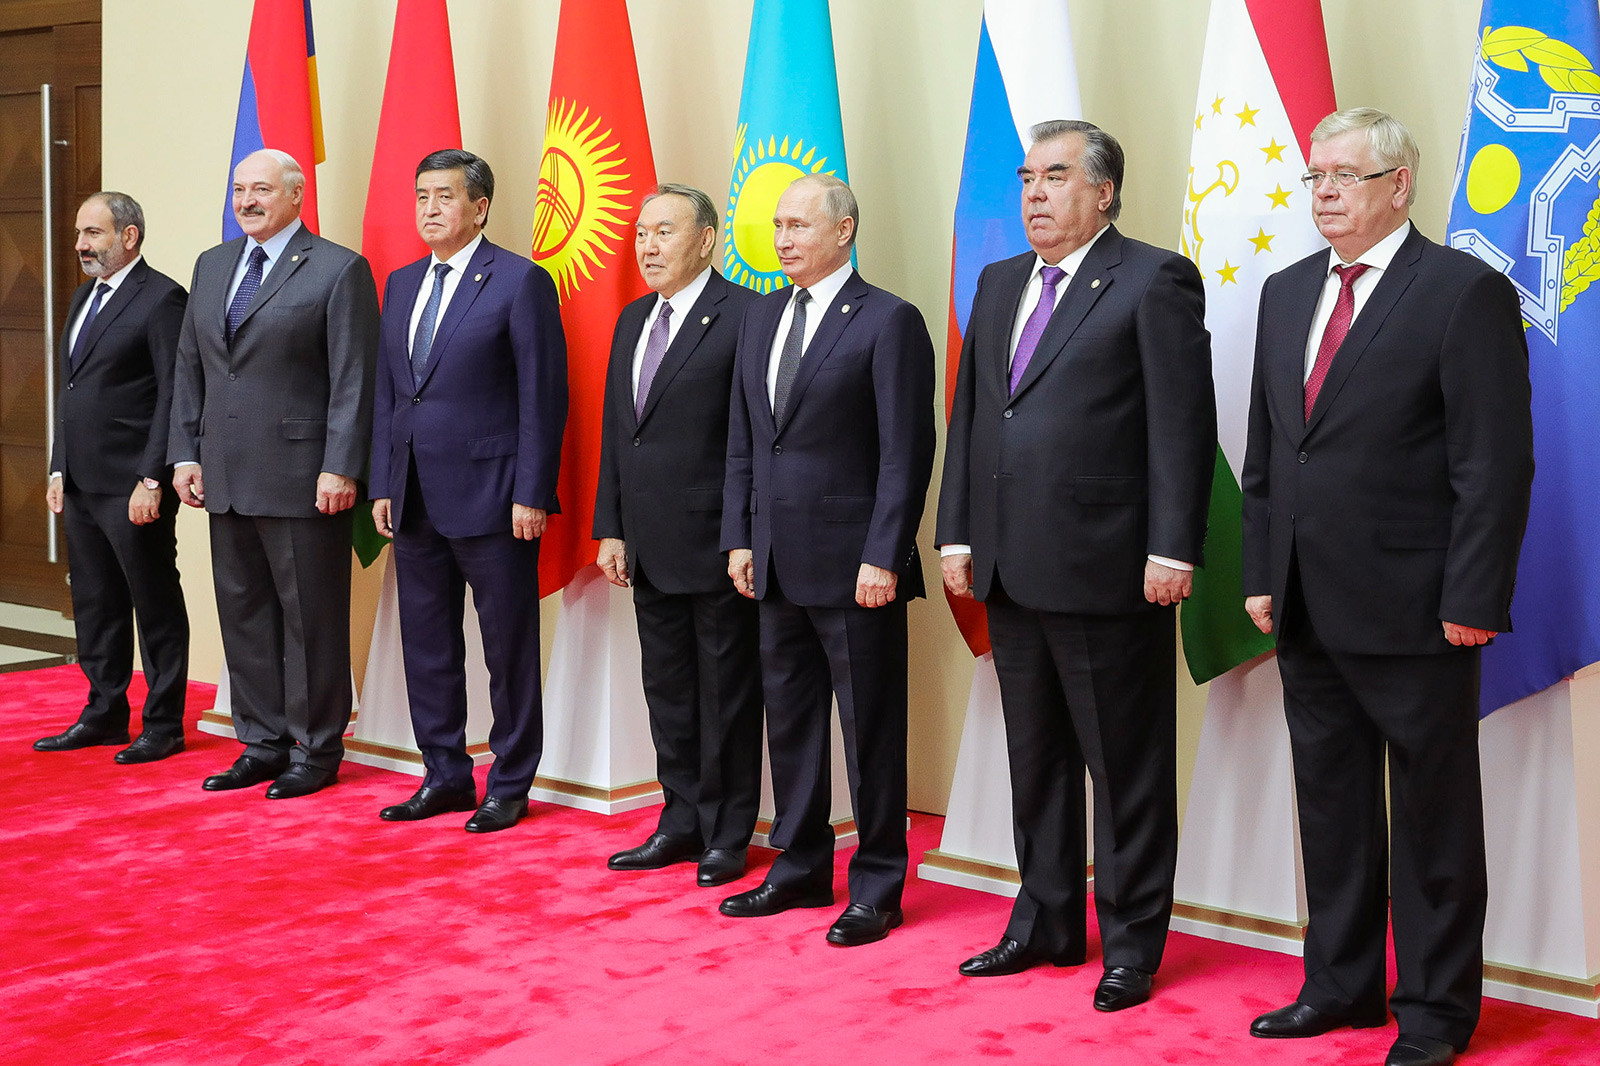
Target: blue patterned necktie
(789, 357)
(248, 287)
(655, 349)
(422, 342)
(81, 342)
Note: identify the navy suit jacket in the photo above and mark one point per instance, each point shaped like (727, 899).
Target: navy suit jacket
(843, 481)
(484, 429)
(1403, 499)
(660, 487)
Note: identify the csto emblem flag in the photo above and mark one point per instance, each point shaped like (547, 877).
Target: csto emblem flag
(1527, 202)
(595, 170)
(789, 126)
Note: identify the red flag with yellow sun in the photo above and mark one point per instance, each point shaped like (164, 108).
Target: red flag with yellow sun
(595, 170)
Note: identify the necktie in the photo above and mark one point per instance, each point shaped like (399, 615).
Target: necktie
(1344, 309)
(81, 343)
(654, 349)
(246, 292)
(1033, 329)
(422, 342)
(789, 358)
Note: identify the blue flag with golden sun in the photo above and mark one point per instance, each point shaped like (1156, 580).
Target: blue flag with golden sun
(1527, 202)
(788, 126)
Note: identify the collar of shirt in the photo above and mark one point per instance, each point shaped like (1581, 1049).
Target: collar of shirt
(1071, 263)
(116, 280)
(1380, 255)
(682, 302)
(274, 245)
(1377, 259)
(458, 262)
(453, 278)
(823, 293)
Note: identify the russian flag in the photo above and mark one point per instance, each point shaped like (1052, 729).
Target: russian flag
(1025, 75)
(278, 103)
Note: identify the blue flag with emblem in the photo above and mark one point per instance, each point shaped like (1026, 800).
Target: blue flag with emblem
(788, 126)
(1527, 202)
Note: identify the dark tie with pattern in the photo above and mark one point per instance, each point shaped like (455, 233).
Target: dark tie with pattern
(422, 343)
(1033, 329)
(789, 358)
(80, 343)
(655, 349)
(248, 286)
(1344, 309)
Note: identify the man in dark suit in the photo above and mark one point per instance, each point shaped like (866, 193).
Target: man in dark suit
(658, 517)
(830, 445)
(109, 474)
(271, 419)
(1386, 484)
(471, 403)
(1076, 479)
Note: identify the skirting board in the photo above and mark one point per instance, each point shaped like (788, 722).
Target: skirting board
(593, 797)
(1535, 989)
(980, 876)
(400, 760)
(844, 833)
(1233, 927)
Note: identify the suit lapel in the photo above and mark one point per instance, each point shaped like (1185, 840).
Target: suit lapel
(64, 344)
(402, 288)
(835, 318)
(1013, 285)
(1299, 310)
(765, 335)
(1092, 279)
(624, 342)
(289, 260)
(694, 327)
(111, 309)
(473, 279)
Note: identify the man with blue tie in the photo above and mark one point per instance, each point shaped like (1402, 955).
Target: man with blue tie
(470, 407)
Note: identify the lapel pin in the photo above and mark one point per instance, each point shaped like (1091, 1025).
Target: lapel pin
(845, 310)
(1095, 284)
(477, 277)
(294, 259)
(706, 321)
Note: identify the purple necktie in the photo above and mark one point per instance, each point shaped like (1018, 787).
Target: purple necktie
(655, 349)
(1033, 329)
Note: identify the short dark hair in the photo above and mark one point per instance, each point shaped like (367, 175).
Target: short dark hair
(475, 172)
(1102, 158)
(125, 212)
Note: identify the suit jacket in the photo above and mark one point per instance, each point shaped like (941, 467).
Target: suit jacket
(1405, 496)
(843, 481)
(661, 473)
(1104, 454)
(291, 396)
(484, 429)
(113, 408)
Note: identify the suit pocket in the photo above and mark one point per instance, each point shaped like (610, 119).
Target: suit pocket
(702, 499)
(846, 508)
(1104, 491)
(1423, 534)
(492, 447)
(303, 428)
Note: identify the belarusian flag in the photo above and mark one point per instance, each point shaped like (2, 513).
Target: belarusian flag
(1265, 82)
(595, 170)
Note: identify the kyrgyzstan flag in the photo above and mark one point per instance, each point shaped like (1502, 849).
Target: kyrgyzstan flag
(595, 170)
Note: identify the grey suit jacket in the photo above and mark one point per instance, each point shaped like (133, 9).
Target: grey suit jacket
(291, 396)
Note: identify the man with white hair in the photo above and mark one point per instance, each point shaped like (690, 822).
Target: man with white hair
(271, 423)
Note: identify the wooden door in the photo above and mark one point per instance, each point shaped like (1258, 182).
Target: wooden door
(65, 56)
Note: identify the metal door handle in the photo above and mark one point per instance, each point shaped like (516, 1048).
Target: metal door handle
(52, 551)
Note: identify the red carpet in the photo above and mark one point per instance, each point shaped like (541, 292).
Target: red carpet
(147, 922)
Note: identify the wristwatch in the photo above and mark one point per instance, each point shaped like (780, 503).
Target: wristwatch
(151, 483)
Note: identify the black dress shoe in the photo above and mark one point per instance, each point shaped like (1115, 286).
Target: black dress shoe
(1121, 987)
(78, 736)
(718, 866)
(861, 924)
(149, 747)
(497, 813)
(657, 851)
(768, 899)
(1009, 957)
(246, 770)
(301, 780)
(1299, 1019)
(427, 802)
(1420, 1051)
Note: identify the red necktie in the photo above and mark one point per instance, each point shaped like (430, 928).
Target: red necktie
(1344, 309)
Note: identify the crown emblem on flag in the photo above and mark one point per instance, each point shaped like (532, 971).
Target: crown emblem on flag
(578, 208)
(761, 172)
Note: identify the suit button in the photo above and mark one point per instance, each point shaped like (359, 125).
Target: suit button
(1008, 412)
(777, 449)
(1304, 457)
(69, 385)
(636, 442)
(416, 399)
(233, 377)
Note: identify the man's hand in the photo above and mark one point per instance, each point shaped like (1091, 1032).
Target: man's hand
(191, 489)
(527, 523)
(742, 568)
(1259, 608)
(957, 573)
(1164, 585)
(612, 559)
(875, 585)
(380, 517)
(53, 496)
(144, 506)
(1466, 636)
(335, 493)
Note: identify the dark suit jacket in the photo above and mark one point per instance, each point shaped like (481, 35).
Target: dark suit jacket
(291, 397)
(1105, 453)
(112, 410)
(843, 482)
(1405, 496)
(485, 427)
(661, 474)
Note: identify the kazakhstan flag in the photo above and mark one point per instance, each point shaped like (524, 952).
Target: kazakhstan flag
(1527, 202)
(788, 126)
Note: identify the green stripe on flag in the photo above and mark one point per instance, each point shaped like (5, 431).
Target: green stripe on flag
(1217, 633)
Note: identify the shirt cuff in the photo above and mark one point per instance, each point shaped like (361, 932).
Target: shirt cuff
(954, 549)
(1175, 564)
(184, 462)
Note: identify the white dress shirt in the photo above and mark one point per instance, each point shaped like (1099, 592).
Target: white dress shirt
(1377, 258)
(682, 303)
(458, 264)
(822, 296)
